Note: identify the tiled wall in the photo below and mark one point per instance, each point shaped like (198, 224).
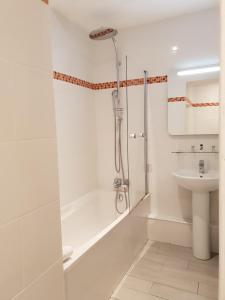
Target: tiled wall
(222, 159)
(30, 238)
(75, 109)
(156, 57)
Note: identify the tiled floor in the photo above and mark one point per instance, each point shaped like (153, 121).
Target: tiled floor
(166, 271)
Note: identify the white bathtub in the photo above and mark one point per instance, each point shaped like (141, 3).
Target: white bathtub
(104, 244)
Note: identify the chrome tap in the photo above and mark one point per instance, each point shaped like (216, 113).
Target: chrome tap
(201, 166)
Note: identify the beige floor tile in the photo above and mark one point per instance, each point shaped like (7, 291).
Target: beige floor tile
(208, 290)
(204, 277)
(214, 261)
(180, 283)
(129, 294)
(150, 264)
(153, 249)
(182, 252)
(176, 263)
(209, 268)
(172, 273)
(145, 274)
(169, 293)
(179, 279)
(154, 256)
(156, 244)
(137, 284)
(171, 278)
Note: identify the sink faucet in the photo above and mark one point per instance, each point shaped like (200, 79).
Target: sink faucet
(201, 166)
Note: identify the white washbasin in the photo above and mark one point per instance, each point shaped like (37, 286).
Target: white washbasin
(196, 182)
(200, 185)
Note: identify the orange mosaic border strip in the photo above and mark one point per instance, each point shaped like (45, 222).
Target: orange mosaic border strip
(200, 104)
(130, 82)
(177, 99)
(205, 104)
(107, 85)
(72, 80)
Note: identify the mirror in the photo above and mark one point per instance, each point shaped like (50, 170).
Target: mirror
(193, 101)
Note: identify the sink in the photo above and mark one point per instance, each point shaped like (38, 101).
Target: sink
(196, 182)
(200, 185)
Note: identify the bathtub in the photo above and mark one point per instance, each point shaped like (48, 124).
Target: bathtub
(104, 245)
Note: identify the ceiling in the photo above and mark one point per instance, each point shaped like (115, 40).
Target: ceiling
(90, 14)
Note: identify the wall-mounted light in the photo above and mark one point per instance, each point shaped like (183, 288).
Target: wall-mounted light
(174, 49)
(199, 71)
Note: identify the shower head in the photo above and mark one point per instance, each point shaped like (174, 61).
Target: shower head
(103, 33)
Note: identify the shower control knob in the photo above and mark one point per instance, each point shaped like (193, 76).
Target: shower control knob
(141, 134)
(132, 136)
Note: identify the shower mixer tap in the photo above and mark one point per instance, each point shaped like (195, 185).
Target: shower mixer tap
(117, 183)
(120, 184)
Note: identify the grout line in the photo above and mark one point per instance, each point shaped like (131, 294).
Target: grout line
(198, 288)
(188, 265)
(172, 287)
(142, 292)
(37, 278)
(21, 140)
(167, 285)
(28, 213)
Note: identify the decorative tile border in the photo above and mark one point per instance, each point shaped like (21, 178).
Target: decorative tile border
(200, 104)
(109, 84)
(177, 99)
(205, 104)
(72, 80)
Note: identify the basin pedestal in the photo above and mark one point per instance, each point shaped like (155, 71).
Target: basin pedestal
(201, 225)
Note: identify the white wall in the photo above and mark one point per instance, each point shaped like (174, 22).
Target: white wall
(75, 111)
(72, 48)
(30, 237)
(197, 47)
(222, 159)
(149, 47)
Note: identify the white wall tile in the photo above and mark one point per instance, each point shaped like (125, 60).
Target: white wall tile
(25, 36)
(10, 204)
(7, 102)
(37, 174)
(10, 260)
(41, 243)
(222, 158)
(47, 287)
(32, 90)
(29, 243)
(76, 137)
(28, 177)
(73, 49)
